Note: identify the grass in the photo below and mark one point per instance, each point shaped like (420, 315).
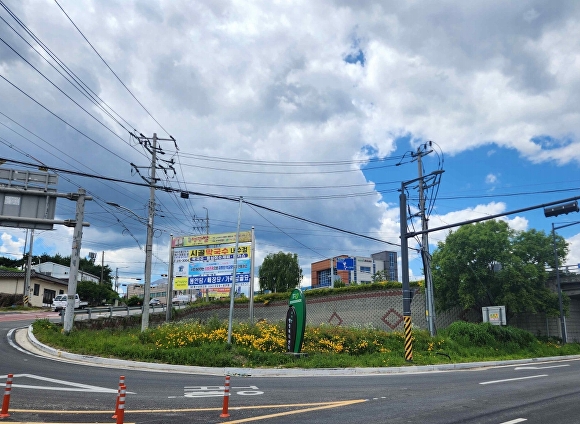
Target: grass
(263, 345)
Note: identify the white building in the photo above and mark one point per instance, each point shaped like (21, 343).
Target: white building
(60, 271)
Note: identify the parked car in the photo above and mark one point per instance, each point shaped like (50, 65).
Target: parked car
(155, 302)
(60, 301)
(183, 298)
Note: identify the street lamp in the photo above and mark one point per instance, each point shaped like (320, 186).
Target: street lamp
(557, 265)
(148, 255)
(564, 208)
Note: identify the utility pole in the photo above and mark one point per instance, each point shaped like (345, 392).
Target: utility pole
(151, 146)
(425, 255)
(149, 244)
(69, 312)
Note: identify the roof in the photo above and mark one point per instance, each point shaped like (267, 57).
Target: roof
(33, 274)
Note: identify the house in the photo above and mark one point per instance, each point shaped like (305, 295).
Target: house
(62, 271)
(43, 288)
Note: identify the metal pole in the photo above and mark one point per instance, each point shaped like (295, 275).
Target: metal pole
(405, 276)
(253, 253)
(149, 246)
(234, 272)
(170, 282)
(26, 298)
(74, 262)
(557, 264)
(332, 272)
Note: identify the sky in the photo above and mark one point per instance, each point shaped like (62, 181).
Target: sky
(311, 112)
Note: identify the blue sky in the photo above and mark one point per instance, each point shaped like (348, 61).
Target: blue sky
(292, 114)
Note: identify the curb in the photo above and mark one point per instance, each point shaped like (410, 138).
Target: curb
(34, 344)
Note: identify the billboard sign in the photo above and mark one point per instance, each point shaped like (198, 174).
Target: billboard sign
(201, 268)
(211, 239)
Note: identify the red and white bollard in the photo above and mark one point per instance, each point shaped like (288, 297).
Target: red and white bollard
(224, 413)
(121, 383)
(6, 401)
(121, 411)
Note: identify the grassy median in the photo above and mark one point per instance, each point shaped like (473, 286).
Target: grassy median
(263, 345)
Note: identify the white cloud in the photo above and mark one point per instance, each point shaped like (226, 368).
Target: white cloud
(268, 81)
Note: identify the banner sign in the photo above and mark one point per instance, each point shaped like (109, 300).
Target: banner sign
(209, 239)
(295, 321)
(211, 267)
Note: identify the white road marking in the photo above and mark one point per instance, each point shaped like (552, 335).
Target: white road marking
(14, 345)
(211, 391)
(540, 368)
(513, 379)
(65, 386)
(517, 420)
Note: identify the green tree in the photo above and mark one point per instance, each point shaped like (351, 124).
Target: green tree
(380, 276)
(488, 263)
(280, 272)
(96, 294)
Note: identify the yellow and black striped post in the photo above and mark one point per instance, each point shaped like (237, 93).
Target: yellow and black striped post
(25, 301)
(405, 276)
(408, 339)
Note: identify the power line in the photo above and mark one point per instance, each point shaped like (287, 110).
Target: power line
(231, 199)
(111, 69)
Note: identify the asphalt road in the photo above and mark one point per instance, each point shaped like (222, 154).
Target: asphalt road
(48, 389)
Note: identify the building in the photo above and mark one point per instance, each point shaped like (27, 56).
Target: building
(159, 291)
(43, 288)
(361, 269)
(61, 271)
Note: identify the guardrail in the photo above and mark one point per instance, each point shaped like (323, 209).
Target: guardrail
(110, 310)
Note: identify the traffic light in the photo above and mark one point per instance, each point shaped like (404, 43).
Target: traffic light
(564, 208)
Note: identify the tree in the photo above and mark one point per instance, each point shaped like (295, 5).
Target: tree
(280, 272)
(488, 263)
(96, 294)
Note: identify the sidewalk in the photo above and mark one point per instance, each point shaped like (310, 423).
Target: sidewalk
(26, 340)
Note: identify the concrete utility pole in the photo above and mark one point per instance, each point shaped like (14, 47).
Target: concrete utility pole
(69, 312)
(425, 255)
(152, 148)
(149, 244)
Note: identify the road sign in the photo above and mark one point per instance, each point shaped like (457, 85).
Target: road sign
(345, 264)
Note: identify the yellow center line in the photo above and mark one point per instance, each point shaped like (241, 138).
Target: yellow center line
(312, 407)
(300, 411)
